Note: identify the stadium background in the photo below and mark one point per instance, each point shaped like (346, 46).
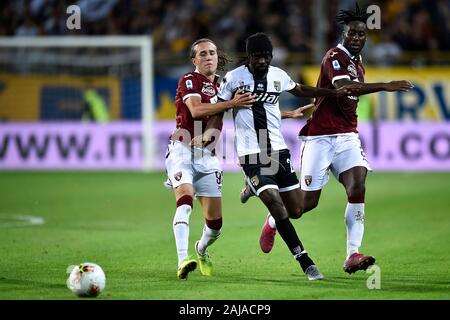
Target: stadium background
(66, 110)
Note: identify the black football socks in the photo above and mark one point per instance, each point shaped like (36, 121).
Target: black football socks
(290, 237)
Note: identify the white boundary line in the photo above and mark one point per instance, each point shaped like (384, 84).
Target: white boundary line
(18, 220)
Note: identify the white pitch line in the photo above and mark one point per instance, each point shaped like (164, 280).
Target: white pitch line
(17, 220)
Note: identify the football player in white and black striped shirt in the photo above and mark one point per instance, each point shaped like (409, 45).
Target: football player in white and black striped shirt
(262, 152)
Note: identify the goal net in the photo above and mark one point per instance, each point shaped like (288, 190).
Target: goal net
(76, 103)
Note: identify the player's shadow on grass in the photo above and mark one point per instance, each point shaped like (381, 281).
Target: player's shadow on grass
(395, 285)
(264, 280)
(415, 285)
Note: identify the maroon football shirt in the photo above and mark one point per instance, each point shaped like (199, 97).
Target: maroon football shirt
(334, 115)
(190, 84)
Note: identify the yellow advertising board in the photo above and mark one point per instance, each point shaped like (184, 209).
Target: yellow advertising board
(428, 100)
(53, 97)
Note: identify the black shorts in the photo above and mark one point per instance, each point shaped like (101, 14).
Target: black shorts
(274, 171)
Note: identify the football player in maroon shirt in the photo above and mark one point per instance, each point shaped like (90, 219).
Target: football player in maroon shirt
(331, 141)
(193, 169)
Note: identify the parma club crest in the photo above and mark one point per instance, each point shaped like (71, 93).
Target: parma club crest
(255, 181)
(277, 85)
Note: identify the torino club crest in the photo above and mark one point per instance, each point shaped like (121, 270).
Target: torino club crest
(308, 180)
(352, 71)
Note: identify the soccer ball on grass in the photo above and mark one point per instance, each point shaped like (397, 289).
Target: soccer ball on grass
(86, 279)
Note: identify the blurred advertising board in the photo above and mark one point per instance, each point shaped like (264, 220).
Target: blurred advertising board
(54, 97)
(389, 146)
(61, 97)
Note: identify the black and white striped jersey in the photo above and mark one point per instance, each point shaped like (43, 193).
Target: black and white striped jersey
(258, 128)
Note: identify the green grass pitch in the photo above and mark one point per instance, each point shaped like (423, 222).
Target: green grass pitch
(123, 221)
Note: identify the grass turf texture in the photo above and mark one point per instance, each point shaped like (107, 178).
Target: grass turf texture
(123, 222)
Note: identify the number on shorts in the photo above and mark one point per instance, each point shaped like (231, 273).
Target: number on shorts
(219, 177)
(288, 160)
(363, 154)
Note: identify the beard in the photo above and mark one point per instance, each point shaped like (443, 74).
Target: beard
(261, 71)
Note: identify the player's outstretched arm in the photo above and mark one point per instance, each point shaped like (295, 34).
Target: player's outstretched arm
(302, 90)
(297, 113)
(199, 109)
(366, 88)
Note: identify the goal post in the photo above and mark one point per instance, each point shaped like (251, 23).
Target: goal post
(101, 56)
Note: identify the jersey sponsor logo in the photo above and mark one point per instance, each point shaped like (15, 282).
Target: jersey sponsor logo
(267, 97)
(308, 180)
(260, 87)
(189, 84)
(178, 175)
(336, 65)
(352, 70)
(277, 85)
(208, 89)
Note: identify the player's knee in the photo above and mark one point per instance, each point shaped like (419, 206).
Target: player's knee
(309, 206)
(310, 201)
(277, 209)
(296, 214)
(356, 190)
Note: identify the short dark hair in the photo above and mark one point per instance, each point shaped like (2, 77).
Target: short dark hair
(347, 16)
(222, 57)
(258, 43)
